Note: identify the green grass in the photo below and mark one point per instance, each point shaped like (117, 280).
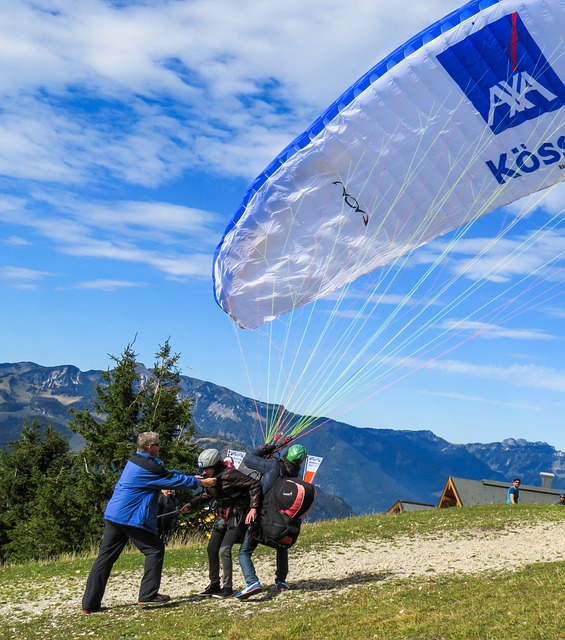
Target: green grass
(522, 605)
(481, 518)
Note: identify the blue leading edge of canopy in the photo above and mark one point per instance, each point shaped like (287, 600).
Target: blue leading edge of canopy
(414, 44)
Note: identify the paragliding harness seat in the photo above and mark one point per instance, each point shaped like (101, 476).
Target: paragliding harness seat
(283, 508)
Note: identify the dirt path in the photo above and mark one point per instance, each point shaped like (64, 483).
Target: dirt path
(330, 569)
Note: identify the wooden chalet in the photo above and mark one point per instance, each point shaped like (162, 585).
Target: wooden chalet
(460, 492)
(407, 505)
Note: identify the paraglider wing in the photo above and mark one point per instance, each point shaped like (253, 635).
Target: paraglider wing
(465, 117)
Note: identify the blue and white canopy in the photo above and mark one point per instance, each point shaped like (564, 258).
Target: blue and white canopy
(465, 117)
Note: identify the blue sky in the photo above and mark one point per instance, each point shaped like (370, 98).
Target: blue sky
(130, 132)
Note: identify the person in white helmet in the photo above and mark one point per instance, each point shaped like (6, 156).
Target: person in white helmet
(238, 498)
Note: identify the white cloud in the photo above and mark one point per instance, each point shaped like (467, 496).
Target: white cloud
(108, 285)
(158, 217)
(482, 400)
(16, 241)
(492, 331)
(22, 277)
(182, 267)
(526, 375)
(174, 265)
(141, 92)
(372, 297)
(351, 314)
(10, 206)
(368, 305)
(555, 312)
(550, 201)
(539, 253)
(122, 231)
(177, 84)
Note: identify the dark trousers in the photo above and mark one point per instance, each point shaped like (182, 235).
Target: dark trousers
(115, 539)
(219, 550)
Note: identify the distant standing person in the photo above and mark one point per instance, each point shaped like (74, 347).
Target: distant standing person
(561, 499)
(514, 492)
(131, 514)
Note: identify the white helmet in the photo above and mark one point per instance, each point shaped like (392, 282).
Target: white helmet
(209, 458)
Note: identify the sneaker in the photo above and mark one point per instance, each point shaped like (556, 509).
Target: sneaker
(282, 586)
(211, 589)
(225, 592)
(86, 612)
(160, 598)
(249, 590)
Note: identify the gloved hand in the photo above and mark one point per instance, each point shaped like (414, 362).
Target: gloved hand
(268, 448)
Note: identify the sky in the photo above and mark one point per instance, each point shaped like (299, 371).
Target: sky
(130, 132)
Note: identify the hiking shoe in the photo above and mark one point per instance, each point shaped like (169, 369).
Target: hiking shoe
(211, 589)
(160, 598)
(249, 590)
(225, 592)
(282, 586)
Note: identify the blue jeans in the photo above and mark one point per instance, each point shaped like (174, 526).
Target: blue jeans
(246, 550)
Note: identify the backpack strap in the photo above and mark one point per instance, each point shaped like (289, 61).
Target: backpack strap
(297, 504)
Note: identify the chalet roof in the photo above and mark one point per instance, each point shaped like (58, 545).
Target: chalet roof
(460, 492)
(408, 505)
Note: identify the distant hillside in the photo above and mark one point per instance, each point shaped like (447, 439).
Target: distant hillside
(28, 390)
(369, 469)
(521, 458)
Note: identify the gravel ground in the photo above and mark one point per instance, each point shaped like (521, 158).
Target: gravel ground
(324, 572)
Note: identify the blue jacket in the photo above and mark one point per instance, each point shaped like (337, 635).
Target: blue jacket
(270, 468)
(135, 501)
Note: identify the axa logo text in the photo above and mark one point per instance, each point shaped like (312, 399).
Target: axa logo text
(504, 74)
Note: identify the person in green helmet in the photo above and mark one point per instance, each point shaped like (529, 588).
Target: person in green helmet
(271, 469)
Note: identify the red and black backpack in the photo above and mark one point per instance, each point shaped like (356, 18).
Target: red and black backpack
(282, 512)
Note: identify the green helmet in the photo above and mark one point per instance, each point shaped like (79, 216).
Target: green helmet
(296, 453)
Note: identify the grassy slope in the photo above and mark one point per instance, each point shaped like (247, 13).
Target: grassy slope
(526, 604)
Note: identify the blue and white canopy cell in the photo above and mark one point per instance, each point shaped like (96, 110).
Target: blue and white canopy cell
(466, 117)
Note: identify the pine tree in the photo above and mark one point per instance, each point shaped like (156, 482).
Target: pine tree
(109, 433)
(126, 405)
(39, 507)
(52, 500)
(164, 411)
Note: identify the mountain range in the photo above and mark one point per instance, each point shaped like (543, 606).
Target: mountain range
(365, 469)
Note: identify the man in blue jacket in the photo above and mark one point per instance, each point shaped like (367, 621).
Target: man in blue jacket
(131, 514)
